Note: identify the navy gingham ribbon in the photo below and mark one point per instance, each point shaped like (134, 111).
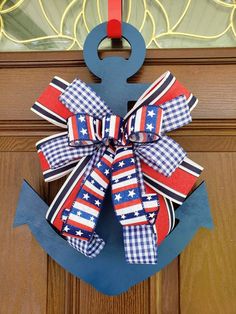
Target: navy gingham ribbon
(115, 147)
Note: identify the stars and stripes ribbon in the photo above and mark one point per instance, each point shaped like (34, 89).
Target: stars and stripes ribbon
(148, 171)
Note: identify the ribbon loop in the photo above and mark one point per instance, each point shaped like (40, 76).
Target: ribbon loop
(58, 153)
(145, 125)
(126, 192)
(85, 211)
(80, 98)
(81, 130)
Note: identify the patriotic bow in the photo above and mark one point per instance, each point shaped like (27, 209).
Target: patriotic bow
(102, 149)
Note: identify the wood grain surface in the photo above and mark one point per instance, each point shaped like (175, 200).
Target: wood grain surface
(23, 263)
(200, 281)
(207, 266)
(206, 72)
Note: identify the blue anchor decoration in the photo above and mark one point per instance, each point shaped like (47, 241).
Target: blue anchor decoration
(108, 272)
(114, 71)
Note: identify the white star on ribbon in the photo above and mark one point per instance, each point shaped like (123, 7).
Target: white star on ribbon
(66, 229)
(151, 113)
(81, 118)
(131, 193)
(79, 213)
(106, 172)
(151, 215)
(83, 131)
(136, 213)
(86, 196)
(121, 164)
(79, 233)
(118, 197)
(98, 203)
(150, 126)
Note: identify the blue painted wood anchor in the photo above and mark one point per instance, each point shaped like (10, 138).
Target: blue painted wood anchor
(108, 272)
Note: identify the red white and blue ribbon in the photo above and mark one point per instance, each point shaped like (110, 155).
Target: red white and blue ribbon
(147, 170)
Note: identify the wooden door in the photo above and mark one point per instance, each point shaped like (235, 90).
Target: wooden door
(202, 279)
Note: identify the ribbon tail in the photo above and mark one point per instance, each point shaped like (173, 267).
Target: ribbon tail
(66, 195)
(159, 210)
(150, 200)
(138, 234)
(83, 215)
(89, 248)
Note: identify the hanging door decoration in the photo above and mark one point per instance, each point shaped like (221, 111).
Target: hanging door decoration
(127, 207)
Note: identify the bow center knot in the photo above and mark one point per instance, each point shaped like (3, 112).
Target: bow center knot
(142, 127)
(112, 128)
(84, 129)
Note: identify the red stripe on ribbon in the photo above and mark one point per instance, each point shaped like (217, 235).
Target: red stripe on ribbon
(80, 200)
(100, 174)
(124, 157)
(78, 225)
(75, 128)
(123, 170)
(126, 187)
(162, 221)
(180, 180)
(126, 204)
(43, 161)
(49, 99)
(159, 120)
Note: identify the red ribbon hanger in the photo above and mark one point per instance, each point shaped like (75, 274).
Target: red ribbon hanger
(114, 24)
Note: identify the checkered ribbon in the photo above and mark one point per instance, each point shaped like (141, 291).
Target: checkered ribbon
(103, 148)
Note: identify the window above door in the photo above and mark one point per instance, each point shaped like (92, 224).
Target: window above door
(27, 25)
